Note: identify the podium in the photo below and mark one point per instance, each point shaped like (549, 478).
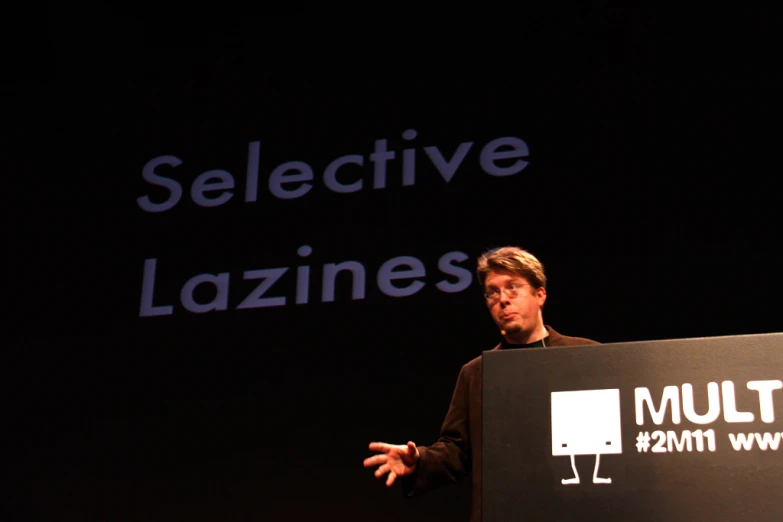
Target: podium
(674, 430)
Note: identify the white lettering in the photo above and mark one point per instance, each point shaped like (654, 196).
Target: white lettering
(448, 168)
(464, 276)
(730, 413)
(148, 291)
(150, 176)
(684, 443)
(219, 302)
(766, 405)
(294, 179)
(767, 440)
(713, 398)
(741, 441)
(389, 272)
(764, 441)
(303, 276)
(330, 174)
(409, 161)
(379, 159)
(201, 184)
(269, 276)
(330, 272)
(671, 395)
(251, 181)
(400, 276)
(490, 153)
(301, 172)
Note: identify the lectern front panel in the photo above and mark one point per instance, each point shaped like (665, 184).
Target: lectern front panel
(675, 430)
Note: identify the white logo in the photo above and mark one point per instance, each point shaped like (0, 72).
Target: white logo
(586, 422)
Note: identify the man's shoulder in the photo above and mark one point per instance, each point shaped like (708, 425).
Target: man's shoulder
(474, 364)
(471, 371)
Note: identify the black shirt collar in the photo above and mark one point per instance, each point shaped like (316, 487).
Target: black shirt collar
(505, 345)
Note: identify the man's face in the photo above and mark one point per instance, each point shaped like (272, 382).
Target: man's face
(515, 315)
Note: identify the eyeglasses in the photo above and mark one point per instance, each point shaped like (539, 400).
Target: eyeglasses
(511, 289)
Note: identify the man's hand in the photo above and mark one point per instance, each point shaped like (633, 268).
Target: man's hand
(395, 460)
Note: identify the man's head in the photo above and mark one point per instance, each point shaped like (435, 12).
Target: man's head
(515, 291)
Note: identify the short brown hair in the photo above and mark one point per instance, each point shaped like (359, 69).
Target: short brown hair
(513, 259)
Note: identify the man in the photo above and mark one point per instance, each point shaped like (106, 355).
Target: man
(515, 291)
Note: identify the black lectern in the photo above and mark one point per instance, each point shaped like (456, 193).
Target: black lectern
(675, 430)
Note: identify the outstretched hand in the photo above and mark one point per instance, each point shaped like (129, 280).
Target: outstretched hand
(396, 460)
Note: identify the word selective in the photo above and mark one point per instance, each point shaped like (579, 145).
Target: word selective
(293, 179)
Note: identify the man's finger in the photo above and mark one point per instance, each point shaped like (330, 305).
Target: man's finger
(382, 470)
(382, 446)
(411, 448)
(375, 460)
(391, 477)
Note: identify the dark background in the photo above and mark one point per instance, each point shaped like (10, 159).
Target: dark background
(649, 197)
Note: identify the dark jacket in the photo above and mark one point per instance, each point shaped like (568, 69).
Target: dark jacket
(458, 450)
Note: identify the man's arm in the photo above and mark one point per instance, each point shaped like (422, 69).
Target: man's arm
(448, 460)
(427, 467)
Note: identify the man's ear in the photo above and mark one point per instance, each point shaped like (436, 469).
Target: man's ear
(541, 296)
